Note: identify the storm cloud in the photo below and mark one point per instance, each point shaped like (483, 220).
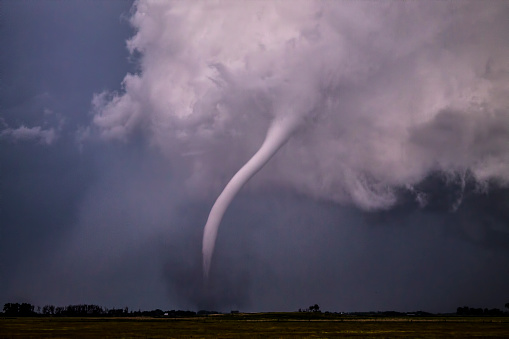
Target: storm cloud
(390, 194)
(388, 92)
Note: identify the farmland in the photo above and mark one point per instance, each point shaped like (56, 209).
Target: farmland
(255, 325)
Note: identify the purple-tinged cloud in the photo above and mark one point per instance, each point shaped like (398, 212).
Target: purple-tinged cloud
(391, 91)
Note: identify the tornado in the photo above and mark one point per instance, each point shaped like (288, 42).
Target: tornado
(278, 134)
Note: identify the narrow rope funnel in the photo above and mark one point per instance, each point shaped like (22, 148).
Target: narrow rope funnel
(277, 135)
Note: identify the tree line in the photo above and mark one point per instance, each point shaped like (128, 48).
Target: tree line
(90, 310)
(85, 310)
(465, 310)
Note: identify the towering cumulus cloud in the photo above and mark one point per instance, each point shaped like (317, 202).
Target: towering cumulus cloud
(382, 94)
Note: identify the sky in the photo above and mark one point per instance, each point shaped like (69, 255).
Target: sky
(121, 122)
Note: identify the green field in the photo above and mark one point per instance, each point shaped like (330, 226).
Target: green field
(261, 325)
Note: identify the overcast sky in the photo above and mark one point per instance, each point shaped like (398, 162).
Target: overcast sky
(120, 125)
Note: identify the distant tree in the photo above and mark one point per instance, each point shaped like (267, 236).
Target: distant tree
(507, 305)
(314, 308)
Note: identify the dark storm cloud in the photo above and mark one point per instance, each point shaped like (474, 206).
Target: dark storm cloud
(86, 218)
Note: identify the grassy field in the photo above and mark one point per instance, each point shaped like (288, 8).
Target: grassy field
(262, 325)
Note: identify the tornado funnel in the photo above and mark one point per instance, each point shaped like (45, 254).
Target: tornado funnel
(277, 135)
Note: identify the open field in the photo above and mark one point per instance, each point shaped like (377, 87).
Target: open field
(260, 325)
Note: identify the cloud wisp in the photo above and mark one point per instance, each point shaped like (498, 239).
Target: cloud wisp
(23, 133)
